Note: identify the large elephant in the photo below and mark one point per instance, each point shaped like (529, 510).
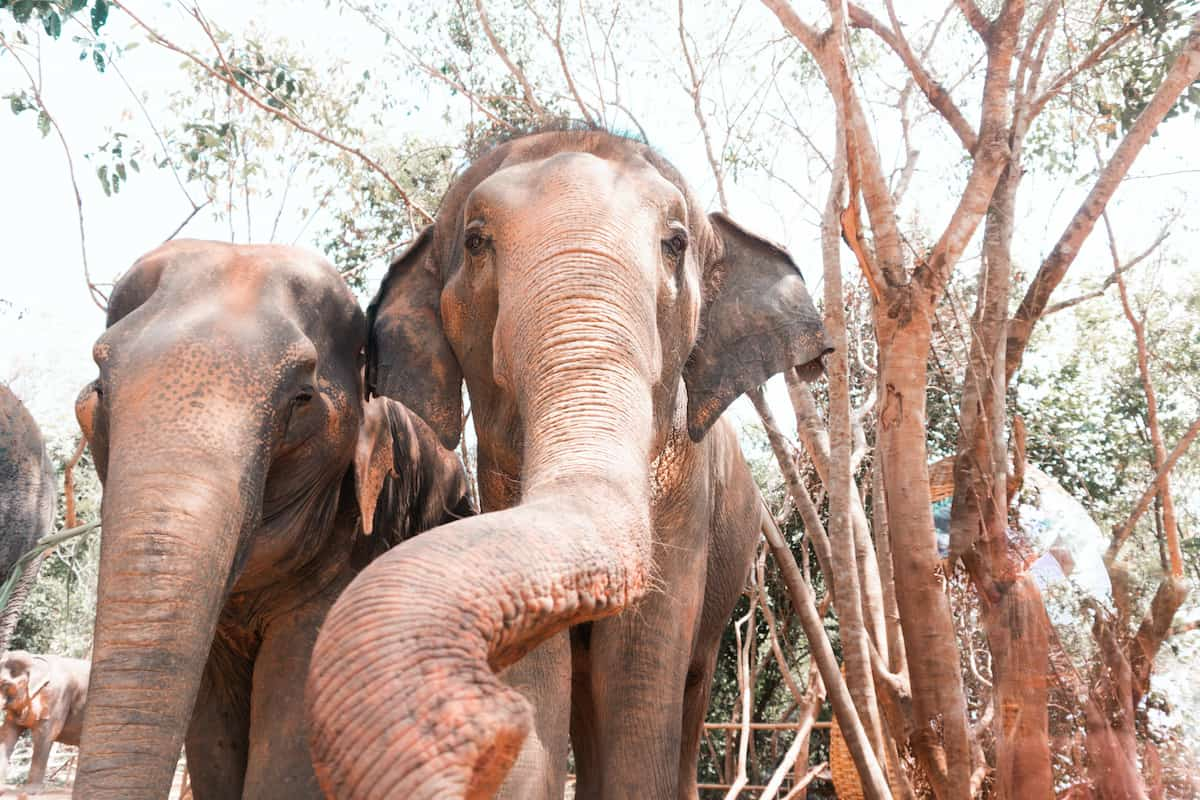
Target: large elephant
(27, 499)
(602, 324)
(239, 474)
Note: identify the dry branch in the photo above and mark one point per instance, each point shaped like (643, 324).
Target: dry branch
(1181, 74)
(1122, 531)
(874, 783)
(225, 76)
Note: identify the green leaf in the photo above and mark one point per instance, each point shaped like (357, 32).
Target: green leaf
(133, 163)
(78, 5)
(121, 171)
(99, 16)
(98, 59)
(44, 123)
(53, 24)
(22, 10)
(102, 174)
(17, 103)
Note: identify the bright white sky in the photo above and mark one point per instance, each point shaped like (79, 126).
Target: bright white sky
(45, 338)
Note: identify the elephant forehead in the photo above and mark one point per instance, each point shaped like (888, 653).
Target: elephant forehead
(612, 185)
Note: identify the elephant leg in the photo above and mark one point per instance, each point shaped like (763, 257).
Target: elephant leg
(43, 735)
(544, 678)
(637, 664)
(9, 734)
(695, 708)
(280, 764)
(218, 735)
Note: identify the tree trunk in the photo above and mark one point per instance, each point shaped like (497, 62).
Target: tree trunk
(903, 327)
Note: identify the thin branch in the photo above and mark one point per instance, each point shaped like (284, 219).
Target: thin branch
(937, 95)
(1170, 529)
(874, 783)
(514, 70)
(1112, 278)
(228, 80)
(1054, 267)
(556, 43)
(1121, 532)
(1087, 62)
(694, 92)
(98, 297)
(191, 215)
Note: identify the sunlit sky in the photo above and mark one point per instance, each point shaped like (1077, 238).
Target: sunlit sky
(46, 334)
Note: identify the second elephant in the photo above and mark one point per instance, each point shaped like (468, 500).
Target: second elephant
(245, 481)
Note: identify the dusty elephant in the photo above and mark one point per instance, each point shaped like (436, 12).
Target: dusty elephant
(573, 282)
(45, 695)
(27, 499)
(228, 429)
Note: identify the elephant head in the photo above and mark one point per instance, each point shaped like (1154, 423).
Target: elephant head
(574, 283)
(22, 676)
(225, 424)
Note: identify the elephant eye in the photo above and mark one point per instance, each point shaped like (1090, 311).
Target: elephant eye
(474, 241)
(675, 245)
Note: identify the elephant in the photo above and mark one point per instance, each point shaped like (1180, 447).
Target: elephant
(46, 695)
(245, 483)
(28, 495)
(602, 323)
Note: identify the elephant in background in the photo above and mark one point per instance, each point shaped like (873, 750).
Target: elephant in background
(28, 494)
(242, 473)
(45, 695)
(602, 323)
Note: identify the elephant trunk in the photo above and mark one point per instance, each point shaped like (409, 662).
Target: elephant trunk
(403, 693)
(168, 547)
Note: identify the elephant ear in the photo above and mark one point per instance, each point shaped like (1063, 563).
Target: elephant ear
(37, 677)
(374, 460)
(758, 319)
(408, 356)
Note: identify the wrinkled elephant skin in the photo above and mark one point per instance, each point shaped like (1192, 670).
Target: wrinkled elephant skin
(239, 463)
(27, 496)
(602, 323)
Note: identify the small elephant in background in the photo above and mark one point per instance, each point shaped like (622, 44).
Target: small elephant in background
(45, 695)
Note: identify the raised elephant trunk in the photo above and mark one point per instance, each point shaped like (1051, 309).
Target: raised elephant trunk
(424, 630)
(168, 549)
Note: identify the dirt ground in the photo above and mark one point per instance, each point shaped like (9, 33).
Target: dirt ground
(60, 774)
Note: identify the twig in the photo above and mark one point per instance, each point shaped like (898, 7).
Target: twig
(229, 81)
(1122, 531)
(514, 70)
(69, 483)
(191, 215)
(98, 297)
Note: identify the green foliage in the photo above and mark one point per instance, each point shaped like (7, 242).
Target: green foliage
(53, 13)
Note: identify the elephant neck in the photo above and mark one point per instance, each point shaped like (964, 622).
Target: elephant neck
(301, 546)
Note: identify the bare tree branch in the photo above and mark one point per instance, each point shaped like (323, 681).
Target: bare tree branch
(1112, 278)
(1121, 532)
(1170, 529)
(1054, 267)
(226, 77)
(514, 70)
(937, 95)
(98, 297)
(1087, 62)
(695, 90)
